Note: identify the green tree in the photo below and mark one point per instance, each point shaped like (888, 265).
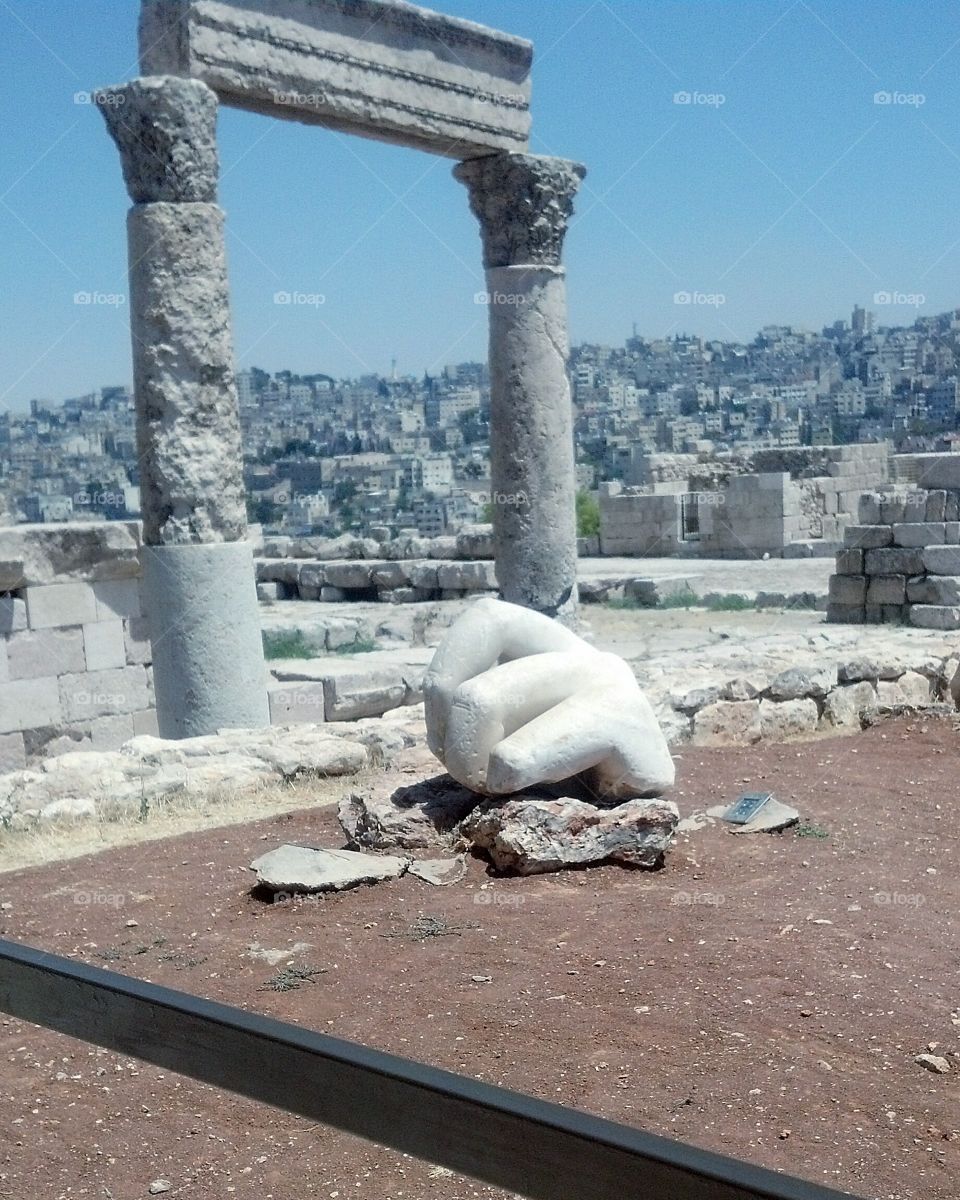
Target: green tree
(588, 515)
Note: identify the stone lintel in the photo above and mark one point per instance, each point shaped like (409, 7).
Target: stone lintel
(523, 203)
(379, 68)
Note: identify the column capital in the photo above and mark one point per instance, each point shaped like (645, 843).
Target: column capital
(165, 128)
(523, 203)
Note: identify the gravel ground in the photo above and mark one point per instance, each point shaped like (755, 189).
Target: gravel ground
(762, 996)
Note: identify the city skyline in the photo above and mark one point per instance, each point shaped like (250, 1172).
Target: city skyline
(791, 164)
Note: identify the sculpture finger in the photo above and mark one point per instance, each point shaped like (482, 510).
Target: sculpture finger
(488, 633)
(493, 705)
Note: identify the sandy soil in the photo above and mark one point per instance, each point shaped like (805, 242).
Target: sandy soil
(763, 996)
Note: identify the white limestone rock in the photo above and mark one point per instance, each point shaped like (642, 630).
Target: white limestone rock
(779, 722)
(727, 723)
(515, 699)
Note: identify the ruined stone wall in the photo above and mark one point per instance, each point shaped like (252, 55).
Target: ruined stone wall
(635, 524)
(75, 656)
(901, 563)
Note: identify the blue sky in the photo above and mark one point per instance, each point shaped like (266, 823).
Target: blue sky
(789, 195)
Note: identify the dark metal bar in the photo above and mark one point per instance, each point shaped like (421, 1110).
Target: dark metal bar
(541, 1150)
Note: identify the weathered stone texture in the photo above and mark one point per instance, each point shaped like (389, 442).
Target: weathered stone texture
(166, 131)
(523, 203)
(390, 71)
(188, 427)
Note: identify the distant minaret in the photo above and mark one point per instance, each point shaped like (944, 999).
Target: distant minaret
(393, 369)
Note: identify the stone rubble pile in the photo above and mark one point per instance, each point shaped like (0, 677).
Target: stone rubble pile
(528, 833)
(147, 770)
(901, 563)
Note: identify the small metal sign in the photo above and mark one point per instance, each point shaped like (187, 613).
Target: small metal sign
(747, 807)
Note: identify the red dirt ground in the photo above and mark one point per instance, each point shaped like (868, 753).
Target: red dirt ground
(763, 996)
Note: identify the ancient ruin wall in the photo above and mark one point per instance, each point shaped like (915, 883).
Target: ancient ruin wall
(75, 658)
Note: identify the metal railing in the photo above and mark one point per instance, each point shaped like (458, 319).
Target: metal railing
(532, 1147)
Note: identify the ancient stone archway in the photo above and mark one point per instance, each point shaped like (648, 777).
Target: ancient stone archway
(379, 68)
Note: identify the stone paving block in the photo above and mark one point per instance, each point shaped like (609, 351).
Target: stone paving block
(845, 614)
(104, 693)
(936, 505)
(925, 533)
(117, 598)
(362, 694)
(895, 561)
(887, 589)
(110, 733)
(60, 604)
(29, 704)
(136, 637)
(850, 562)
(296, 703)
(847, 589)
(13, 614)
(934, 589)
(104, 645)
(935, 616)
(36, 653)
(942, 560)
(13, 756)
(867, 537)
(145, 722)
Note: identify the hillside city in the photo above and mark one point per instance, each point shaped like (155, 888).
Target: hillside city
(326, 456)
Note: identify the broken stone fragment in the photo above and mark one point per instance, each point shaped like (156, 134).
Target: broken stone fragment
(531, 836)
(311, 869)
(440, 872)
(421, 816)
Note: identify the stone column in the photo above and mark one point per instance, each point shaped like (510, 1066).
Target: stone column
(523, 203)
(198, 574)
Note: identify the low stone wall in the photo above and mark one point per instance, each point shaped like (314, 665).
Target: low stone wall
(801, 702)
(901, 563)
(75, 657)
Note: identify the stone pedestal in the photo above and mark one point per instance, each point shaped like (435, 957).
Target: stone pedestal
(198, 569)
(523, 203)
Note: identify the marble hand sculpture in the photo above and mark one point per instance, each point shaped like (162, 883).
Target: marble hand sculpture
(514, 699)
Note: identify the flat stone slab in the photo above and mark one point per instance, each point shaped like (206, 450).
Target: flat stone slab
(312, 869)
(440, 872)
